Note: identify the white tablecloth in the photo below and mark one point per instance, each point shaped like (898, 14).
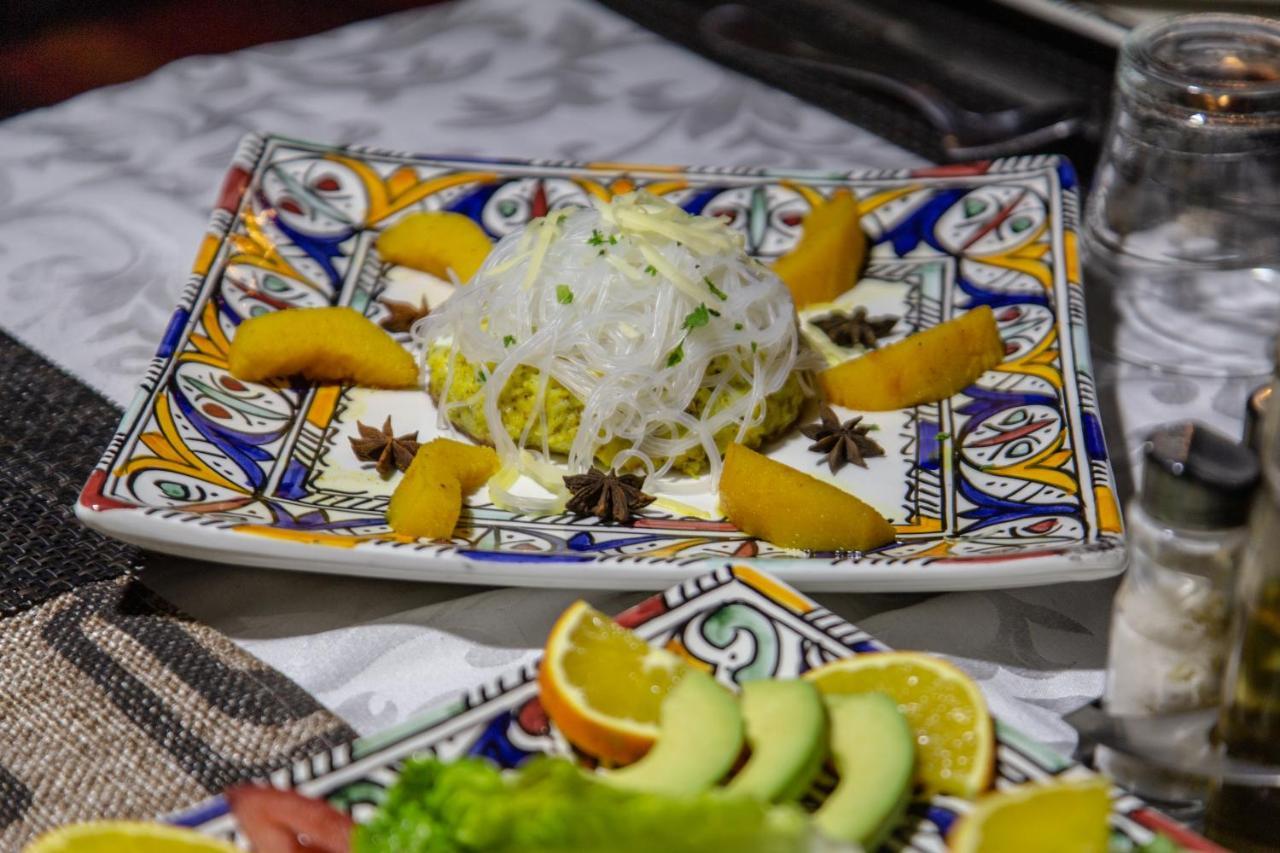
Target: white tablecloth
(103, 200)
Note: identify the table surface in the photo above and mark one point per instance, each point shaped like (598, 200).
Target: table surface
(103, 200)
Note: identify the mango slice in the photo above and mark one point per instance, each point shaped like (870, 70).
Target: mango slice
(436, 242)
(831, 251)
(779, 504)
(322, 344)
(923, 368)
(427, 502)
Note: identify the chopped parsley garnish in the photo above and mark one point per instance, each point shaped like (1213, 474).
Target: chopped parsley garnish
(563, 294)
(697, 318)
(651, 270)
(613, 239)
(754, 346)
(676, 355)
(720, 294)
(596, 238)
(943, 436)
(508, 340)
(737, 327)
(480, 375)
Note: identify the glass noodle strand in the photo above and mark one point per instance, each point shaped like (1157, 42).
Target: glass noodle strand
(634, 306)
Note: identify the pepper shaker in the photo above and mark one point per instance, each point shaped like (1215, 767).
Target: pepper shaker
(1171, 618)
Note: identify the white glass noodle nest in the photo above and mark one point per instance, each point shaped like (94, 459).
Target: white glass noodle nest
(632, 305)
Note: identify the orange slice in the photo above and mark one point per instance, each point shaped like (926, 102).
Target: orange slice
(603, 686)
(955, 741)
(1055, 817)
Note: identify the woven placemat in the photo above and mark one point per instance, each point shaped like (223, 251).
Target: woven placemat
(112, 704)
(54, 430)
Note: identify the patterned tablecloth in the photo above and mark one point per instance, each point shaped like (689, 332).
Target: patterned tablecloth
(103, 200)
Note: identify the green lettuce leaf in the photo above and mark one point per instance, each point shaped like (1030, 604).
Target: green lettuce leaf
(550, 806)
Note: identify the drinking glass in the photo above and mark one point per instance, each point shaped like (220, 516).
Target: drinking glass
(1182, 231)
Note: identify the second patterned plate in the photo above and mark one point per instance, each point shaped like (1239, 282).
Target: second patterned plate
(737, 623)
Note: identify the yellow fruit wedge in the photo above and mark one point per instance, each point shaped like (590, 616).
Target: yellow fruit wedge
(428, 500)
(436, 242)
(124, 836)
(789, 508)
(955, 741)
(322, 344)
(1053, 817)
(930, 365)
(603, 686)
(832, 249)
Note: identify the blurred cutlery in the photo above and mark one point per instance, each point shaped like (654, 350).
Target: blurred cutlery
(733, 30)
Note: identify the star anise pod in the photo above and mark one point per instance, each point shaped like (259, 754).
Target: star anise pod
(843, 443)
(846, 330)
(384, 447)
(403, 315)
(609, 497)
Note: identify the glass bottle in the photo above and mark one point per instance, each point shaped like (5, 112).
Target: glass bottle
(1248, 818)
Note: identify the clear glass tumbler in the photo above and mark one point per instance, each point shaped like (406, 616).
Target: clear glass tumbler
(1182, 232)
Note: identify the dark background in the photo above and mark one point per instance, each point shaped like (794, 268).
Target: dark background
(51, 50)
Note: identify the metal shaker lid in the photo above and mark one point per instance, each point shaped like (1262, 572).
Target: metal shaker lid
(1196, 477)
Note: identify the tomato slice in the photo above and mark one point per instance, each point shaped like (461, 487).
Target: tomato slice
(287, 822)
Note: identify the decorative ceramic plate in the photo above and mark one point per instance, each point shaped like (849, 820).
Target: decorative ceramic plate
(743, 625)
(1003, 485)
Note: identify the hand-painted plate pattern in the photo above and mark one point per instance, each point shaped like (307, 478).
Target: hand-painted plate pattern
(742, 625)
(1005, 484)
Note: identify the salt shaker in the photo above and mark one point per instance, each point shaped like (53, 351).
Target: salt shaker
(1170, 625)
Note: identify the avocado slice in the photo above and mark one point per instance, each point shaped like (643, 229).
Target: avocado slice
(874, 754)
(699, 739)
(787, 732)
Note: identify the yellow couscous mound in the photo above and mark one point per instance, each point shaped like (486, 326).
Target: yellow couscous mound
(564, 411)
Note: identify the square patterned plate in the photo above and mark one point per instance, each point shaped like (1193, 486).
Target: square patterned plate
(741, 625)
(1005, 484)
